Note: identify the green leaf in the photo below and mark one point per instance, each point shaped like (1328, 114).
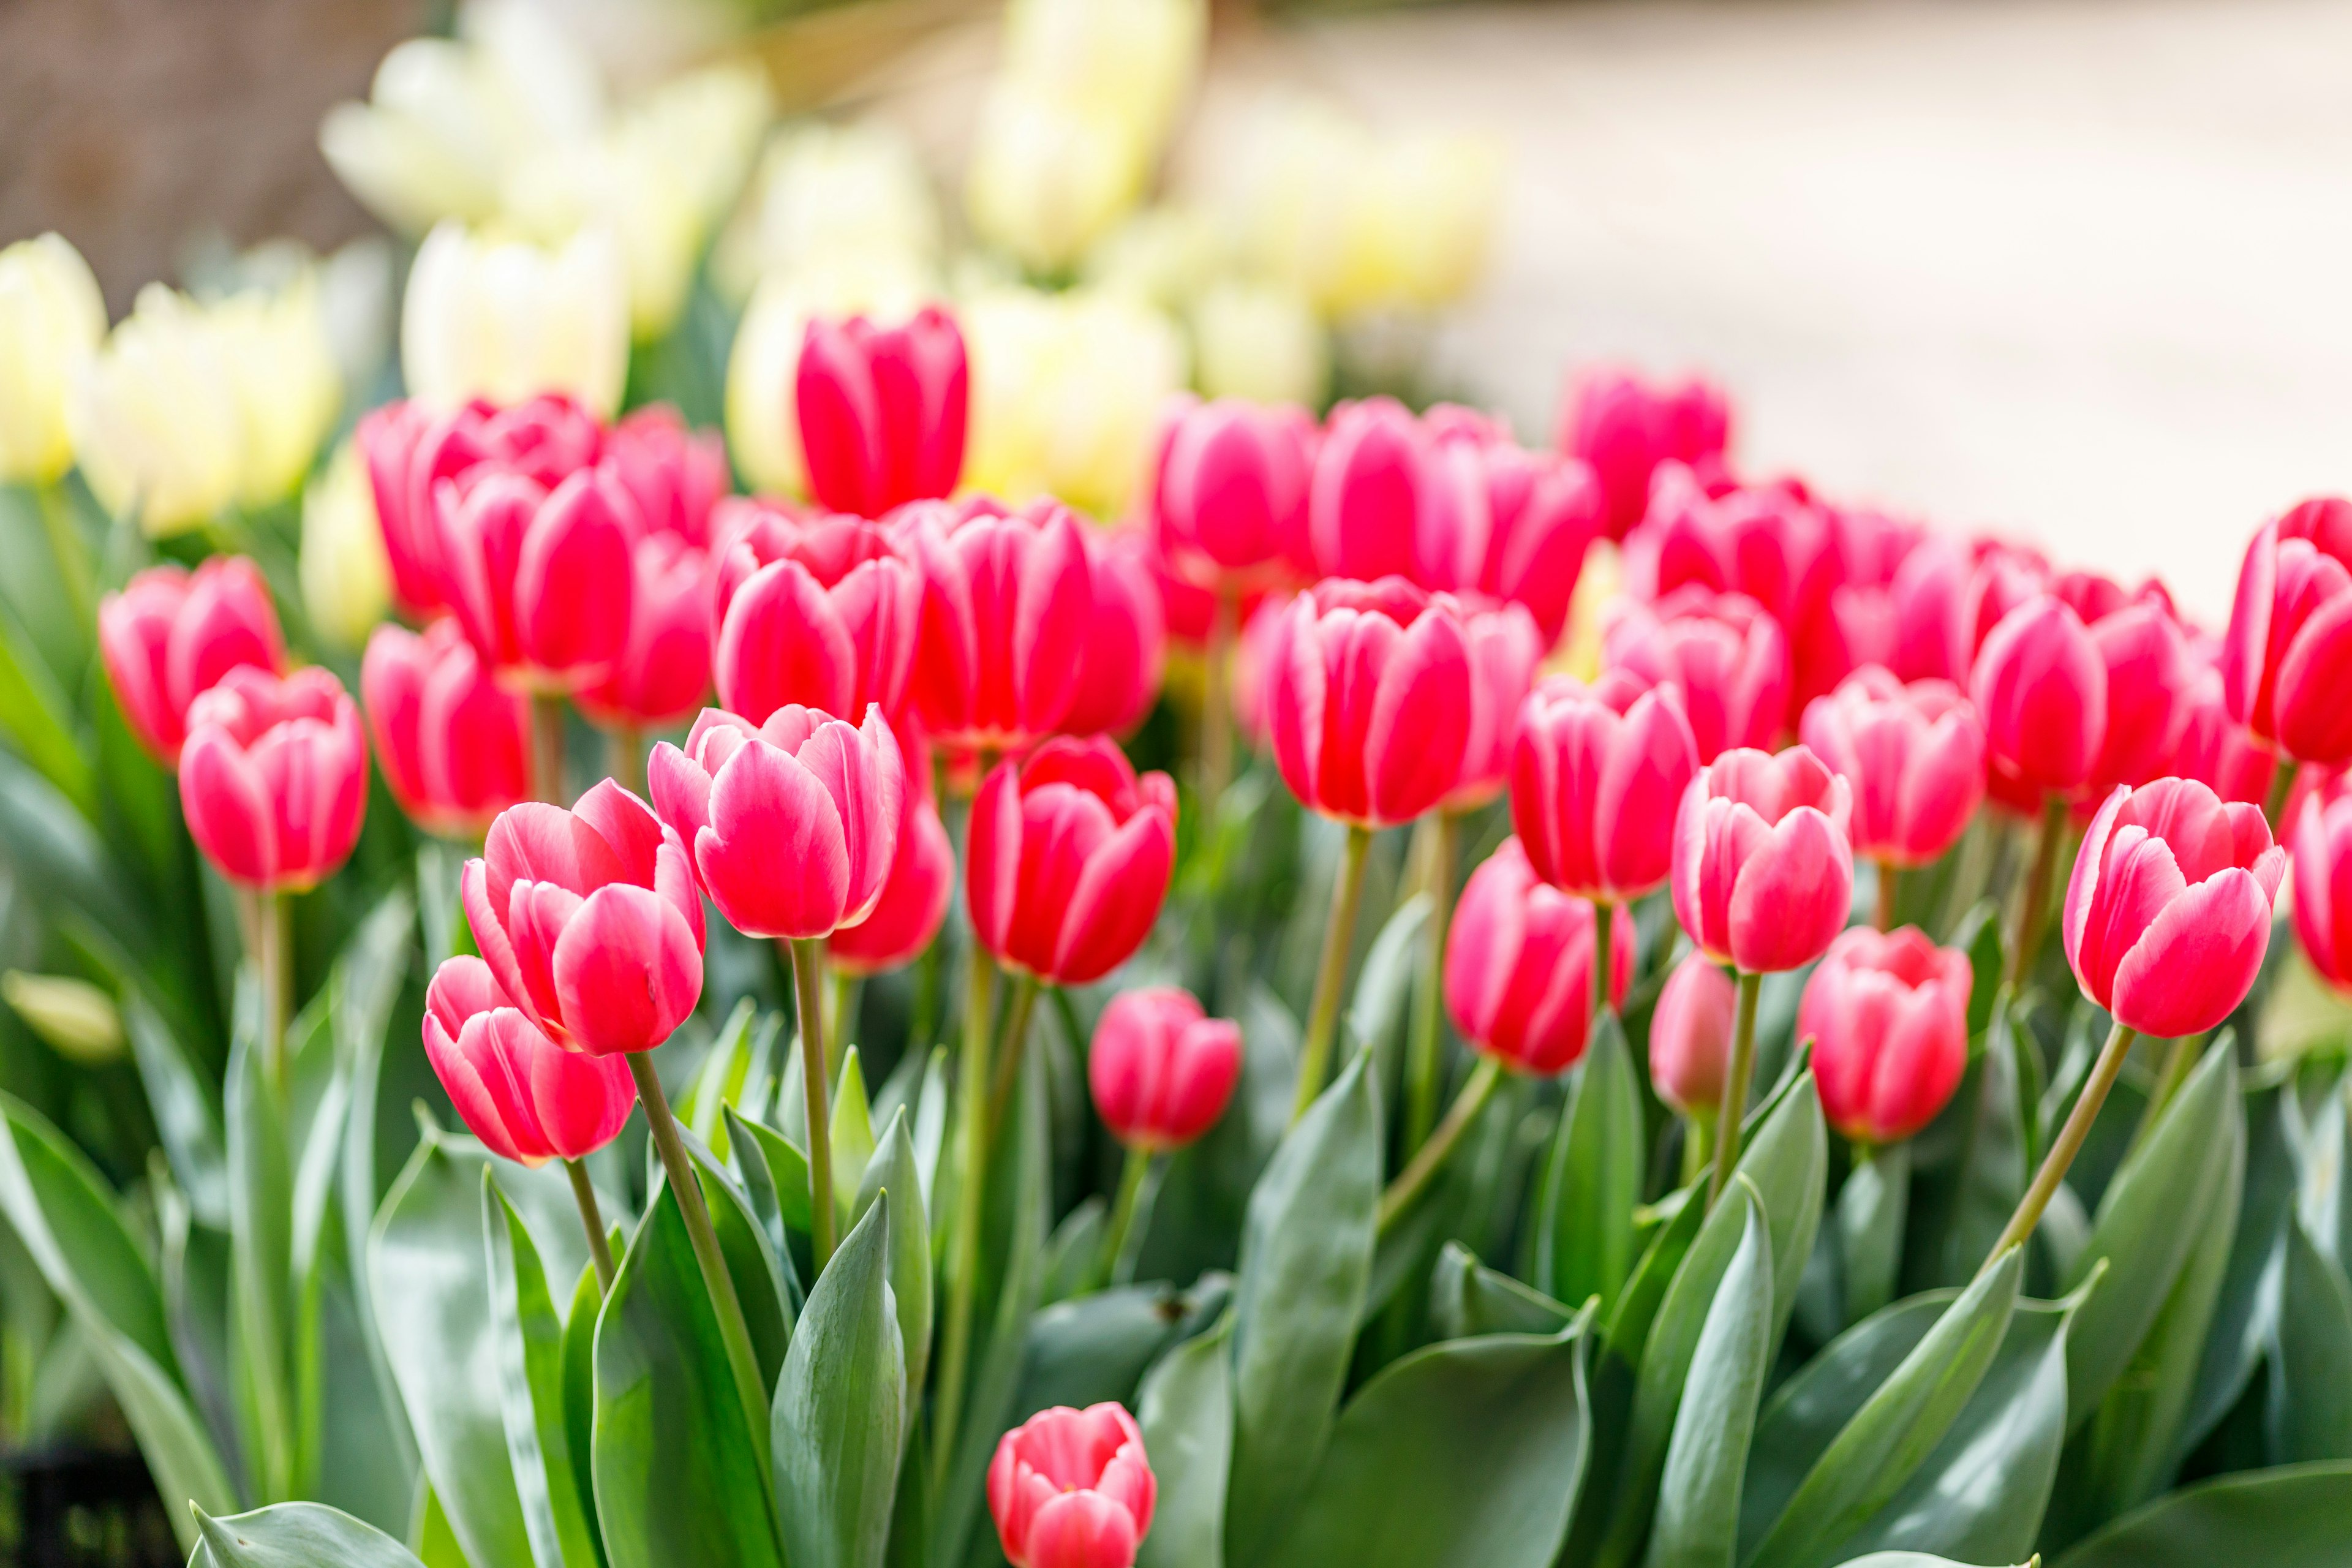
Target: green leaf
(579, 1387)
(2290, 1517)
(1307, 1258)
(752, 1263)
(2242, 1318)
(893, 1168)
(1074, 1248)
(1907, 1560)
(1384, 985)
(1469, 1452)
(529, 1340)
(1697, 1520)
(719, 1084)
(852, 1127)
(1592, 1177)
(296, 1535)
(840, 1414)
(1466, 1297)
(1787, 1155)
(1978, 935)
(1186, 1411)
(783, 1183)
(186, 1108)
(39, 719)
(2310, 1411)
(261, 1245)
(1870, 1212)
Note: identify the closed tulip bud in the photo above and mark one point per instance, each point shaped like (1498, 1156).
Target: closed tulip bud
(525, 1097)
(1518, 965)
(915, 895)
(1375, 491)
(2323, 879)
(2042, 689)
(589, 919)
(677, 475)
(1543, 513)
(664, 669)
(1888, 1015)
(2169, 911)
(1229, 490)
(1262, 633)
(1763, 873)
(1722, 651)
(2287, 659)
(818, 611)
(345, 575)
(2216, 750)
(1597, 773)
(1126, 649)
(1007, 607)
(273, 777)
(1690, 1035)
(506, 319)
(454, 745)
(171, 634)
(1503, 648)
(541, 579)
(1624, 427)
(52, 318)
(1072, 1489)
(1914, 755)
(1069, 859)
(1161, 1069)
(881, 411)
(2149, 670)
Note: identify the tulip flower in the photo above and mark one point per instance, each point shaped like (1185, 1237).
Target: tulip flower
(1519, 963)
(273, 777)
(1775, 543)
(1161, 1069)
(1888, 1016)
(52, 320)
(1504, 648)
(1763, 866)
(2148, 668)
(819, 611)
(1623, 429)
(455, 746)
(1072, 1489)
(2040, 687)
(1727, 656)
(2215, 749)
(1597, 774)
(915, 895)
(1690, 1037)
(677, 475)
(506, 319)
(1542, 514)
(2287, 659)
(525, 1097)
(1007, 606)
(2323, 879)
(1914, 755)
(541, 579)
(1229, 491)
(663, 668)
(1126, 650)
(1374, 492)
(171, 634)
(881, 411)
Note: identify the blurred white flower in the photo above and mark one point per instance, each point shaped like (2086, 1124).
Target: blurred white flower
(80, 1021)
(506, 319)
(1261, 341)
(346, 576)
(830, 194)
(1165, 254)
(51, 321)
(288, 386)
(1128, 62)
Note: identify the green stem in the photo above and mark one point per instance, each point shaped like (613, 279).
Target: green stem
(269, 934)
(1736, 1074)
(1430, 1158)
(2282, 788)
(1424, 1060)
(840, 1006)
(964, 1241)
(1332, 974)
(1697, 1127)
(1883, 917)
(546, 750)
(1604, 957)
(1112, 1267)
(624, 757)
(1010, 1046)
(808, 983)
(591, 1220)
(1216, 706)
(2034, 900)
(2068, 1144)
(65, 544)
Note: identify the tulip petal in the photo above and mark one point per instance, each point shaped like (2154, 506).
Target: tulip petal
(1792, 896)
(773, 859)
(229, 807)
(626, 970)
(1117, 899)
(2197, 959)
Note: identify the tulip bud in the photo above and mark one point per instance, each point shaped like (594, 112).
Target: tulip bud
(2287, 659)
(1888, 1016)
(1543, 513)
(1072, 1489)
(346, 576)
(1229, 491)
(541, 579)
(1161, 1069)
(764, 367)
(1763, 872)
(1518, 965)
(1375, 493)
(817, 611)
(2148, 671)
(73, 1018)
(170, 634)
(675, 475)
(455, 746)
(664, 669)
(52, 318)
(1126, 649)
(1503, 648)
(882, 411)
(2323, 879)
(2041, 689)
(1914, 755)
(525, 1097)
(914, 901)
(1624, 427)
(1690, 1035)
(2168, 910)
(1008, 602)
(273, 777)
(1597, 774)
(1726, 654)
(589, 919)
(507, 321)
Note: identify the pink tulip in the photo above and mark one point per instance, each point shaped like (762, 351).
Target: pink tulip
(1690, 1035)
(1007, 607)
(525, 1097)
(2168, 912)
(1543, 513)
(1947, 596)
(1597, 774)
(2323, 879)
(791, 825)
(1072, 1489)
(1727, 656)
(914, 901)
(1888, 1015)
(589, 921)
(664, 669)
(1763, 874)
(1069, 859)
(1126, 650)
(1624, 429)
(1914, 755)
(171, 634)
(882, 411)
(455, 746)
(2040, 687)
(675, 475)
(1503, 648)
(1161, 1069)
(2215, 749)
(1375, 490)
(1229, 491)
(2287, 661)
(2149, 670)
(1518, 965)
(273, 777)
(541, 579)
(817, 610)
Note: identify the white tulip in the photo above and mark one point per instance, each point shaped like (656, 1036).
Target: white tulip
(506, 319)
(52, 318)
(1261, 341)
(1048, 178)
(827, 194)
(1129, 62)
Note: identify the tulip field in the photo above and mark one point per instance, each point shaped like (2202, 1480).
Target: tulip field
(809, 895)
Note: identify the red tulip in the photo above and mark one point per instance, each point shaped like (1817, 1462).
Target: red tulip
(2040, 687)
(455, 746)
(1069, 859)
(1503, 648)
(1623, 429)
(2287, 661)
(2323, 879)
(1725, 653)
(1888, 1015)
(169, 634)
(664, 669)
(1543, 513)
(791, 825)
(1763, 875)
(541, 579)
(675, 475)
(1947, 596)
(589, 921)
(2215, 749)
(273, 778)
(1161, 1069)
(1229, 491)
(1597, 774)
(1690, 1035)
(524, 1096)
(819, 611)
(2168, 912)
(1375, 490)
(1072, 1489)
(1914, 754)
(2150, 668)
(1126, 649)
(1007, 606)
(1518, 965)
(882, 411)
(1772, 543)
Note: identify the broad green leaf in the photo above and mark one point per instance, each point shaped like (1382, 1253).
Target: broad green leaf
(39, 719)
(1786, 1154)
(1909, 1559)
(296, 1535)
(1869, 1211)
(529, 1339)
(262, 1269)
(1098, 1347)
(1469, 1451)
(1630, 1319)
(1697, 1520)
(1305, 1262)
(1978, 934)
(2292, 1517)
(752, 1263)
(2310, 1411)
(852, 1126)
(719, 1083)
(1075, 1248)
(1385, 983)
(580, 1382)
(2243, 1316)
(786, 1175)
(430, 1536)
(1592, 1177)
(186, 1108)
(1466, 1297)
(840, 1412)
(893, 1168)
(1186, 1412)
(373, 968)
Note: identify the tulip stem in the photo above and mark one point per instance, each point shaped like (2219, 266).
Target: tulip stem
(840, 1006)
(2033, 900)
(1695, 1136)
(1010, 1046)
(1883, 917)
(1216, 705)
(65, 544)
(1604, 957)
(2178, 1060)
(725, 1305)
(624, 758)
(1425, 1060)
(592, 1219)
(546, 748)
(808, 982)
(1736, 1074)
(1332, 974)
(2069, 1143)
(2282, 790)
(1430, 1158)
(268, 939)
(964, 1241)
(1114, 1266)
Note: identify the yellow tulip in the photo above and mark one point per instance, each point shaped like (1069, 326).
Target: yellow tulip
(506, 319)
(51, 321)
(346, 576)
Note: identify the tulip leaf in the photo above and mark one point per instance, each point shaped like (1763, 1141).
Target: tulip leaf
(840, 1411)
(38, 718)
(295, 1535)
(1978, 934)
(1098, 1347)
(1466, 1297)
(1468, 1451)
(1786, 1155)
(2290, 1517)
(2310, 1411)
(1385, 985)
(1911, 1559)
(774, 1175)
(1186, 1412)
(1306, 1264)
(261, 1245)
(852, 1125)
(2242, 1318)
(1592, 1177)
(1074, 1248)
(185, 1105)
(718, 1086)
(1870, 1214)
(752, 1263)
(527, 1339)
(1697, 1520)
(580, 1386)
(893, 1168)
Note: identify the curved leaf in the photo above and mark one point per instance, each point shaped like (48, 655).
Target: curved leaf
(1186, 1411)
(296, 1535)
(893, 1167)
(1467, 1299)
(528, 1338)
(1592, 1177)
(1871, 1208)
(2292, 1517)
(839, 1420)
(1697, 1520)
(1787, 1157)
(2247, 1307)
(2310, 1411)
